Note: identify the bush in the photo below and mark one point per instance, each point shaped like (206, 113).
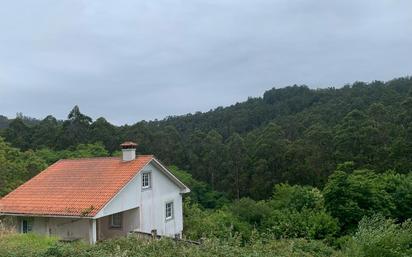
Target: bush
(377, 236)
(399, 187)
(250, 211)
(350, 197)
(296, 197)
(6, 226)
(219, 223)
(308, 224)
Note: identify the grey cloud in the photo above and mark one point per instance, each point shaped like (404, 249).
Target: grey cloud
(131, 60)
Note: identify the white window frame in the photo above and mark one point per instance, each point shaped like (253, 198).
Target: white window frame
(29, 226)
(169, 206)
(112, 224)
(149, 180)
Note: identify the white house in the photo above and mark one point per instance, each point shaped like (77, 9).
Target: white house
(99, 198)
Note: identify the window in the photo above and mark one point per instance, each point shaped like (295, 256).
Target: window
(169, 210)
(116, 220)
(26, 226)
(146, 180)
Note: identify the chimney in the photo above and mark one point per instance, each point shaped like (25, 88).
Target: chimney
(128, 151)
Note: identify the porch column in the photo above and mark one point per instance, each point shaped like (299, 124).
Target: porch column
(92, 231)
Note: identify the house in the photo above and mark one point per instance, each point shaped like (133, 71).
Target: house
(99, 198)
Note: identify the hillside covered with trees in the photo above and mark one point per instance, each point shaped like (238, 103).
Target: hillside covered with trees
(331, 166)
(294, 134)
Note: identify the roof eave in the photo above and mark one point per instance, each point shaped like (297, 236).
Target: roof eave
(44, 215)
(184, 189)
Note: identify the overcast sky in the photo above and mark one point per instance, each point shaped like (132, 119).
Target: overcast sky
(145, 59)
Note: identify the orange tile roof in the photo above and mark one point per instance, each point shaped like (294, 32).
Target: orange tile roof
(78, 187)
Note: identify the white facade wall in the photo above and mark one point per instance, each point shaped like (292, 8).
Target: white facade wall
(151, 203)
(68, 228)
(59, 227)
(130, 222)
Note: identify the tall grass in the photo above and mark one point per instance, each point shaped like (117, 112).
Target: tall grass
(24, 245)
(30, 245)
(6, 227)
(375, 237)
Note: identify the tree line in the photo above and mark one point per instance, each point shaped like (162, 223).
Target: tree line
(294, 135)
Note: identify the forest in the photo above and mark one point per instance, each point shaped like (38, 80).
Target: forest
(331, 167)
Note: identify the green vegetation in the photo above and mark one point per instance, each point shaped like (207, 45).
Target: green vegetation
(375, 236)
(42, 247)
(290, 135)
(24, 245)
(305, 211)
(298, 172)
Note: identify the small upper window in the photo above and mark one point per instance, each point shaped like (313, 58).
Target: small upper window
(169, 210)
(146, 180)
(116, 220)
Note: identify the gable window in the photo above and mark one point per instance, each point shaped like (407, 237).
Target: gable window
(146, 180)
(116, 220)
(169, 211)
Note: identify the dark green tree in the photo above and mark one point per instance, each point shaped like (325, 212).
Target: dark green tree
(214, 159)
(103, 131)
(350, 197)
(46, 133)
(75, 130)
(268, 158)
(237, 175)
(18, 134)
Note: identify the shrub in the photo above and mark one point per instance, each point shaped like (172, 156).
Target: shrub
(399, 187)
(377, 236)
(296, 197)
(250, 211)
(308, 224)
(6, 226)
(219, 223)
(22, 245)
(350, 197)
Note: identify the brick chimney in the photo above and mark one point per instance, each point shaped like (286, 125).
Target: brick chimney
(128, 151)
